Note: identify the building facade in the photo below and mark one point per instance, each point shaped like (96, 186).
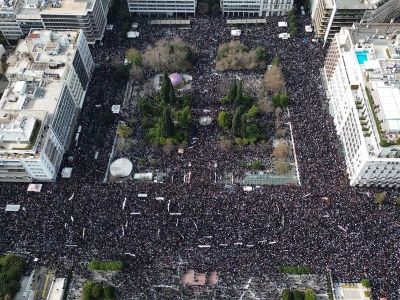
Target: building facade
(331, 15)
(162, 7)
(362, 70)
(49, 74)
(17, 18)
(258, 8)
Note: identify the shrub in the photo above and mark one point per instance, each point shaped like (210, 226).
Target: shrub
(298, 295)
(309, 294)
(366, 282)
(97, 291)
(105, 265)
(287, 295)
(294, 270)
(109, 291)
(367, 294)
(379, 198)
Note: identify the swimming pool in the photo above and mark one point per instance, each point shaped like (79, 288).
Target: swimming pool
(362, 56)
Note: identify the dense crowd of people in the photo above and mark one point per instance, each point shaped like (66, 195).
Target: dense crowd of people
(324, 223)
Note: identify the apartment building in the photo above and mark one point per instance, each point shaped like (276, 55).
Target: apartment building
(386, 11)
(258, 8)
(18, 17)
(331, 15)
(362, 70)
(163, 7)
(49, 74)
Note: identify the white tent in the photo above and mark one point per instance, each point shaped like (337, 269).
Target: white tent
(66, 173)
(132, 34)
(284, 36)
(121, 167)
(116, 109)
(12, 207)
(34, 188)
(143, 176)
(236, 32)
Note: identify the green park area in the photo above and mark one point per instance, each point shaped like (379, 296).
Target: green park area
(11, 270)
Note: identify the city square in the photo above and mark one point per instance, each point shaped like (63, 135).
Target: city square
(200, 234)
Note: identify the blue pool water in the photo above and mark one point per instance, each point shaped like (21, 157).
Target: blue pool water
(362, 56)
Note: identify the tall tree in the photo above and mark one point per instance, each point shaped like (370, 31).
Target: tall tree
(236, 121)
(165, 88)
(171, 96)
(243, 123)
(232, 92)
(239, 93)
(166, 124)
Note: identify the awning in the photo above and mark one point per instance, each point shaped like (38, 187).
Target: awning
(34, 188)
(12, 207)
(66, 173)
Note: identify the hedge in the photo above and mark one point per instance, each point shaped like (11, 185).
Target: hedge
(105, 265)
(294, 270)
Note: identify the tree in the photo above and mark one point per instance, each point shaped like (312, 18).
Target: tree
(253, 111)
(243, 124)
(123, 130)
(109, 291)
(280, 100)
(223, 120)
(11, 267)
(97, 291)
(309, 294)
(167, 128)
(134, 57)
(87, 290)
(398, 200)
(239, 94)
(184, 117)
(232, 92)
(281, 167)
(287, 295)
(136, 73)
(274, 80)
(298, 295)
(121, 73)
(165, 88)
(170, 56)
(236, 56)
(380, 197)
(281, 151)
(224, 144)
(276, 61)
(256, 165)
(366, 283)
(236, 122)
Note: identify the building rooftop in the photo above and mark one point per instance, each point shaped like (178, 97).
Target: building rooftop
(36, 73)
(373, 32)
(350, 4)
(67, 7)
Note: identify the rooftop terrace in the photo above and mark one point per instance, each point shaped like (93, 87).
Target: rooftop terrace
(67, 7)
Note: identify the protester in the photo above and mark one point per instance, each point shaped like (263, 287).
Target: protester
(249, 233)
